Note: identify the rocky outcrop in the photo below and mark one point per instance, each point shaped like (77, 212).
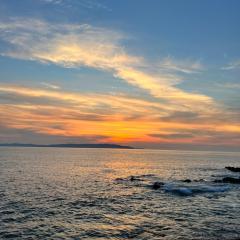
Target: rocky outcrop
(187, 180)
(157, 185)
(228, 180)
(233, 169)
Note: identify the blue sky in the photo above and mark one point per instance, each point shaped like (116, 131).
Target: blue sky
(178, 53)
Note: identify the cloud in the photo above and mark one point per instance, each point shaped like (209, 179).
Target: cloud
(186, 66)
(127, 119)
(163, 116)
(232, 66)
(75, 46)
(172, 136)
(97, 102)
(87, 4)
(49, 85)
(11, 135)
(229, 85)
(52, 1)
(182, 116)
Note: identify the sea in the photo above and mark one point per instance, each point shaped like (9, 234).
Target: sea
(68, 193)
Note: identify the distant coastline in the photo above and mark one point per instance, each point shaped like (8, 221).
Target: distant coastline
(67, 145)
(204, 148)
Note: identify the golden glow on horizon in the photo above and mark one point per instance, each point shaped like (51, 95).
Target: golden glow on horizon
(128, 119)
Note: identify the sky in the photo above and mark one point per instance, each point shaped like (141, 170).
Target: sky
(146, 73)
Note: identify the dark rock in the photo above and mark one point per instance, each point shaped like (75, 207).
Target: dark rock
(148, 175)
(187, 180)
(157, 185)
(134, 178)
(131, 178)
(229, 180)
(233, 169)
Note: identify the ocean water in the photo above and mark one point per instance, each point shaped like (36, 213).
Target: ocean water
(57, 193)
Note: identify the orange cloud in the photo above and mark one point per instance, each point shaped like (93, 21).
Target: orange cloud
(128, 119)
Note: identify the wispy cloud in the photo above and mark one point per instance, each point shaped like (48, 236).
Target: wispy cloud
(183, 66)
(232, 65)
(229, 85)
(84, 45)
(87, 4)
(52, 1)
(49, 85)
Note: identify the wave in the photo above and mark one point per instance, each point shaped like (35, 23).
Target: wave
(191, 190)
(185, 187)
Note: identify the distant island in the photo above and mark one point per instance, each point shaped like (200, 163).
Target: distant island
(67, 145)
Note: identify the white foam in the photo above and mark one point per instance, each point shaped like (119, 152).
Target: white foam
(195, 189)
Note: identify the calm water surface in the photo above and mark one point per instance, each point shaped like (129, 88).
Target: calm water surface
(56, 193)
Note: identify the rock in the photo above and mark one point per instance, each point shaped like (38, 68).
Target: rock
(187, 180)
(233, 169)
(148, 175)
(134, 178)
(131, 178)
(157, 185)
(229, 180)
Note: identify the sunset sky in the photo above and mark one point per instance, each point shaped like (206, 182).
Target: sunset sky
(146, 73)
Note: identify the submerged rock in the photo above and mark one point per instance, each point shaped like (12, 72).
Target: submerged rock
(229, 180)
(148, 175)
(233, 169)
(182, 191)
(131, 178)
(157, 185)
(187, 180)
(134, 178)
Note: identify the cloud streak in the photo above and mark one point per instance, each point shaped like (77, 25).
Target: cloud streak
(232, 66)
(87, 46)
(87, 4)
(128, 119)
(186, 66)
(49, 85)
